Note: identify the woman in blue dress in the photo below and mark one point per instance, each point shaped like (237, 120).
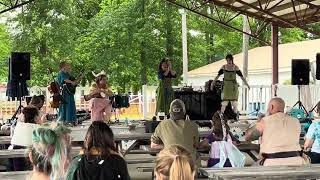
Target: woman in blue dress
(67, 108)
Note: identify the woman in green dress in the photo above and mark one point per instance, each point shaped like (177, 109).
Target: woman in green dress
(230, 86)
(165, 94)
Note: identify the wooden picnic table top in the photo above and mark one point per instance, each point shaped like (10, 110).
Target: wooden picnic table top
(264, 172)
(16, 153)
(117, 137)
(243, 146)
(15, 175)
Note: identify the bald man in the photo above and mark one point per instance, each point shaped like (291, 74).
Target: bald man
(280, 134)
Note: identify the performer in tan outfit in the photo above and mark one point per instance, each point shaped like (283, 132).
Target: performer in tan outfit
(280, 136)
(100, 105)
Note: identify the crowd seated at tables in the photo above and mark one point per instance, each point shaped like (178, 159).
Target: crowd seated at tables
(178, 138)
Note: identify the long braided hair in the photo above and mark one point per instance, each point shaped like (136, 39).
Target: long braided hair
(218, 125)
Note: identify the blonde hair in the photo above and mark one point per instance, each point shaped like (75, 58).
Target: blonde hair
(175, 163)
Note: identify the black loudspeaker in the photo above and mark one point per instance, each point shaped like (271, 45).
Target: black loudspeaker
(300, 72)
(19, 67)
(318, 66)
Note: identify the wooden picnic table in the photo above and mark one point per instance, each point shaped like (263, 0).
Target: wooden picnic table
(246, 147)
(117, 137)
(264, 172)
(136, 137)
(15, 175)
(18, 153)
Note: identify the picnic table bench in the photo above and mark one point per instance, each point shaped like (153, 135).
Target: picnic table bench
(264, 172)
(245, 147)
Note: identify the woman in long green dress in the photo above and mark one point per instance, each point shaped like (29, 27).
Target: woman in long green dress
(67, 109)
(165, 94)
(230, 85)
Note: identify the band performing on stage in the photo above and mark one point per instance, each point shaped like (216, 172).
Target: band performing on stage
(229, 94)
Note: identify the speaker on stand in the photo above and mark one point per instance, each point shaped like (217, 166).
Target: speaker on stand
(19, 73)
(317, 75)
(318, 66)
(300, 75)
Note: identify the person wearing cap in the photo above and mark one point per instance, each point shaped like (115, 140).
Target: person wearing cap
(230, 86)
(176, 130)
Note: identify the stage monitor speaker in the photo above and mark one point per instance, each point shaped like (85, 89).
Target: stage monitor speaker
(318, 66)
(19, 67)
(300, 72)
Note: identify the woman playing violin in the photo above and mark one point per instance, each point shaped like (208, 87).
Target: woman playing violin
(100, 104)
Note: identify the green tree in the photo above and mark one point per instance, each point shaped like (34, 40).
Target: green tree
(5, 49)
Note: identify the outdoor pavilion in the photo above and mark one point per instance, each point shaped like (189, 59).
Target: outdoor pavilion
(275, 13)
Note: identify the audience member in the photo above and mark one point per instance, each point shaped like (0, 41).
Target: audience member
(99, 158)
(47, 155)
(312, 141)
(22, 136)
(175, 163)
(177, 130)
(280, 136)
(222, 150)
(38, 101)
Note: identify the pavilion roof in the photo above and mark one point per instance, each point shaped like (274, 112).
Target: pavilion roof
(284, 13)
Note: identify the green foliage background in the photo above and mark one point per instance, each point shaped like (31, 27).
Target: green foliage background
(126, 38)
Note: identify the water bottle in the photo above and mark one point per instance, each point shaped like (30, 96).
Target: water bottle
(126, 122)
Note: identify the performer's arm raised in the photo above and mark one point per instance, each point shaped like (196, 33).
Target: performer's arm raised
(173, 73)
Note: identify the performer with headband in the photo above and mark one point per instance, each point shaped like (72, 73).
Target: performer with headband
(100, 104)
(165, 93)
(230, 86)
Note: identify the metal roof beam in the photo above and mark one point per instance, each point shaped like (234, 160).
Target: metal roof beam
(282, 7)
(279, 18)
(300, 13)
(257, 3)
(16, 5)
(308, 3)
(236, 9)
(218, 21)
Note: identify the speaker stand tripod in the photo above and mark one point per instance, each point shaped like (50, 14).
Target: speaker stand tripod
(257, 110)
(299, 103)
(13, 118)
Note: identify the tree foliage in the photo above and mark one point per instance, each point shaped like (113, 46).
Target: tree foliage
(5, 48)
(126, 38)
